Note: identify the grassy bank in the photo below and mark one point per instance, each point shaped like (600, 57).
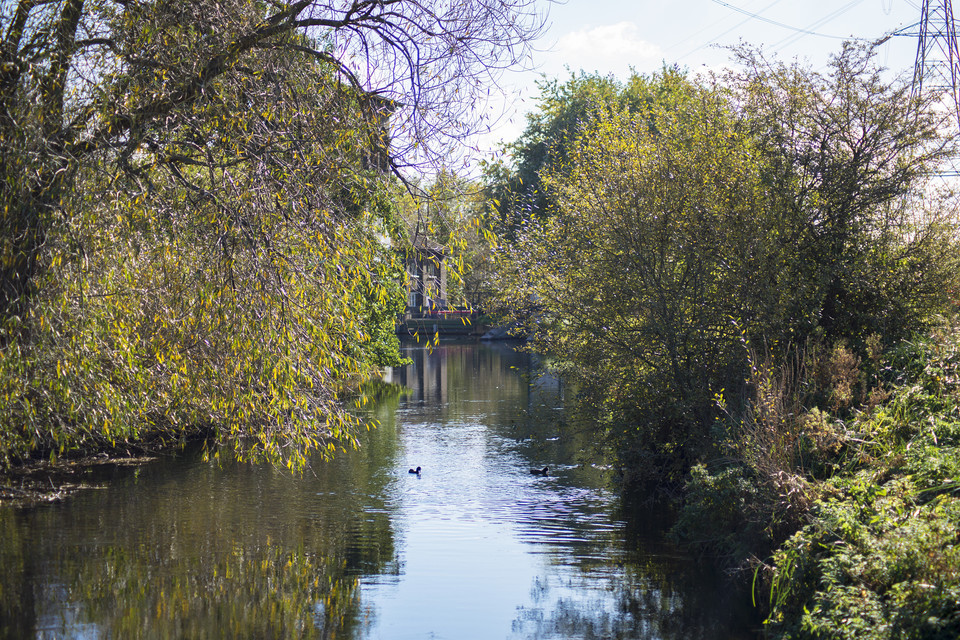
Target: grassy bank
(850, 519)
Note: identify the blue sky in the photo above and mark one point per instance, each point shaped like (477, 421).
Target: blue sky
(610, 36)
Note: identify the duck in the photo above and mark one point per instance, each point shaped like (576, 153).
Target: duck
(416, 471)
(540, 472)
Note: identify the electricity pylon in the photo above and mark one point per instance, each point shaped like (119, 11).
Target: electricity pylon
(936, 48)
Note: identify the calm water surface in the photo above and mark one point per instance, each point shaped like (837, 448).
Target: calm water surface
(475, 547)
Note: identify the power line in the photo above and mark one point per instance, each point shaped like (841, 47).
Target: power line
(749, 17)
(715, 38)
(809, 30)
(827, 18)
(757, 16)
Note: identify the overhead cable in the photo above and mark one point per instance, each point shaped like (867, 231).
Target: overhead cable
(757, 16)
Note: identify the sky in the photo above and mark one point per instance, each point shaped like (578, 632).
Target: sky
(611, 36)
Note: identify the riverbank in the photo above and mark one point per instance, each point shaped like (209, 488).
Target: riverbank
(46, 476)
(44, 481)
(859, 537)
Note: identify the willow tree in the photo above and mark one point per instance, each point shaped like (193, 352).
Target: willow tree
(197, 221)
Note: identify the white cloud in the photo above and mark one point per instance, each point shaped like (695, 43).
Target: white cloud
(610, 48)
(606, 49)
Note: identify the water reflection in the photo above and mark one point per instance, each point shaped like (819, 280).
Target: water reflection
(189, 549)
(474, 547)
(490, 550)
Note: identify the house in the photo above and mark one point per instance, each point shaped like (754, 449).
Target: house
(377, 111)
(426, 278)
(429, 312)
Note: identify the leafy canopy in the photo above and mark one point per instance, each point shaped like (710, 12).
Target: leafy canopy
(689, 217)
(197, 214)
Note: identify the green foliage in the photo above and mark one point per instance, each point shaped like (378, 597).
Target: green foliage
(176, 292)
(879, 555)
(723, 513)
(641, 236)
(845, 155)
(689, 220)
(720, 267)
(877, 562)
(517, 192)
(157, 334)
(197, 227)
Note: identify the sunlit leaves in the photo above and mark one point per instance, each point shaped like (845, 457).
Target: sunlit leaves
(195, 227)
(678, 212)
(657, 240)
(229, 268)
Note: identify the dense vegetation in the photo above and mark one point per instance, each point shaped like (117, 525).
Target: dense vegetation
(201, 212)
(878, 555)
(199, 226)
(732, 270)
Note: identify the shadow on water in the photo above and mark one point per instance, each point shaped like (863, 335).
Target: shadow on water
(476, 546)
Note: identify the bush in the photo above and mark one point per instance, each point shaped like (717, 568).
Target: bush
(880, 555)
(723, 513)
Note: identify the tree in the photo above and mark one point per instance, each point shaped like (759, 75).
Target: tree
(84, 77)
(713, 215)
(565, 108)
(848, 153)
(652, 250)
(196, 219)
(516, 189)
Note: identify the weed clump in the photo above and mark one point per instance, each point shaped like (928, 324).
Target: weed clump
(848, 513)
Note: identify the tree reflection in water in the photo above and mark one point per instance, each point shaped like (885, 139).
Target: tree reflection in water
(190, 549)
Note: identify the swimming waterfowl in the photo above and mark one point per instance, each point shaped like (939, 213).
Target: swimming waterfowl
(540, 472)
(416, 471)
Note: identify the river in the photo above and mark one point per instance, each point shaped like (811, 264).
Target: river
(474, 547)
